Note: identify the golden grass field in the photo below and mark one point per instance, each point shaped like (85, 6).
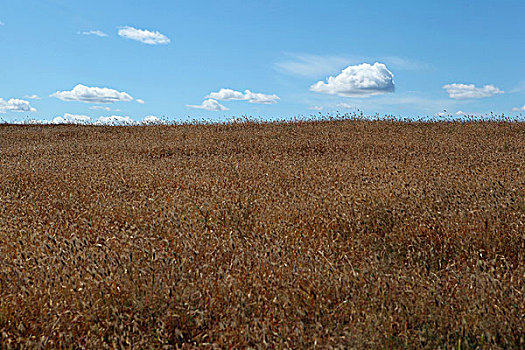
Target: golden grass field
(318, 234)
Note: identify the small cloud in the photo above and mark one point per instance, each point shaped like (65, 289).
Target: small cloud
(143, 35)
(362, 80)
(252, 97)
(344, 105)
(15, 105)
(115, 120)
(2, 23)
(92, 95)
(458, 113)
(33, 97)
(315, 108)
(442, 114)
(468, 91)
(518, 109)
(98, 33)
(209, 105)
(71, 119)
(151, 120)
(140, 101)
(107, 109)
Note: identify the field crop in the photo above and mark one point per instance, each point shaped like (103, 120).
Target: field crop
(318, 234)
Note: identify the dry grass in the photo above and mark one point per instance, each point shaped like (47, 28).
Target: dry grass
(351, 233)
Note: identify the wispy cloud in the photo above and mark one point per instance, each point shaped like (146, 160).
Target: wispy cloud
(209, 105)
(344, 105)
(107, 109)
(33, 97)
(361, 80)
(401, 63)
(315, 108)
(98, 33)
(92, 95)
(311, 66)
(468, 91)
(519, 88)
(144, 36)
(519, 109)
(2, 23)
(140, 101)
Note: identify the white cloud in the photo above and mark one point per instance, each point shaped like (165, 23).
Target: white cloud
(151, 120)
(71, 119)
(315, 108)
(518, 109)
(362, 80)
(140, 101)
(312, 65)
(15, 105)
(227, 95)
(209, 105)
(33, 97)
(460, 113)
(92, 95)
(252, 97)
(98, 33)
(467, 91)
(143, 35)
(1, 23)
(115, 120)
(257, 97)
(344, 105)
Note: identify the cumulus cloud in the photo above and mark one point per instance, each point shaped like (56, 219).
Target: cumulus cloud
(361, 80)
(98, 33)
(140, 101)
(518, 109)
(252, 97)
(460, 113)
(92, 95)
(209, 105)
(15, 105)
(115, 120)
(227, 95)
(71, 119)
(467, 91)
(144, 36)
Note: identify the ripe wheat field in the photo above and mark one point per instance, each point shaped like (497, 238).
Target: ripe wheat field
(314, 234)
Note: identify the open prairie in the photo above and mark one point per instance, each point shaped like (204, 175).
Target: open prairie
(327, 234)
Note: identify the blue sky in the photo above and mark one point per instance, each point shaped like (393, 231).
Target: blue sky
(274, 59)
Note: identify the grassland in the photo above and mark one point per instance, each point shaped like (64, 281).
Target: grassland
(327, 234)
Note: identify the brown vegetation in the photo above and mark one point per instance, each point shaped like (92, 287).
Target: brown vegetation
(349, 233)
